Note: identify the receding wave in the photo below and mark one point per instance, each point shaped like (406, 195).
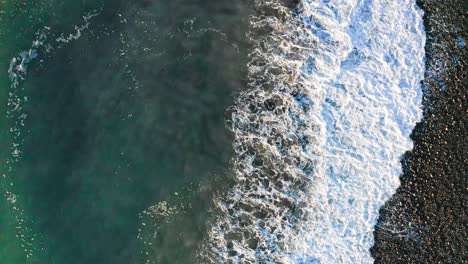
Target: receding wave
(333, 95)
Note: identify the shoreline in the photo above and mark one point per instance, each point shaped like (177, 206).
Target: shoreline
(424, 220)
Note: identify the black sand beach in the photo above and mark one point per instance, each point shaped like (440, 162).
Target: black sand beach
(425, 221)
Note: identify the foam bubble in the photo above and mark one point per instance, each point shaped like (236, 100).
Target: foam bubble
(334, 93)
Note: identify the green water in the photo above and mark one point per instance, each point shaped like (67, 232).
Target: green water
(127, 116)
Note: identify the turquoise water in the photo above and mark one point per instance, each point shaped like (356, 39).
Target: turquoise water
(127, 116)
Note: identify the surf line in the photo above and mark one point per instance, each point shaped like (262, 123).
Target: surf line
(333, 95)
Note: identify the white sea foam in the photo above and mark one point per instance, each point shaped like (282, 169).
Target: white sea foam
(334, 94)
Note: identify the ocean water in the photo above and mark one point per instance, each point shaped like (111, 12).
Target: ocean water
(112, 108)
(263, 131)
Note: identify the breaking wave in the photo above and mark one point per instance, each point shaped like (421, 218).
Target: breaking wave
(333, 95)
